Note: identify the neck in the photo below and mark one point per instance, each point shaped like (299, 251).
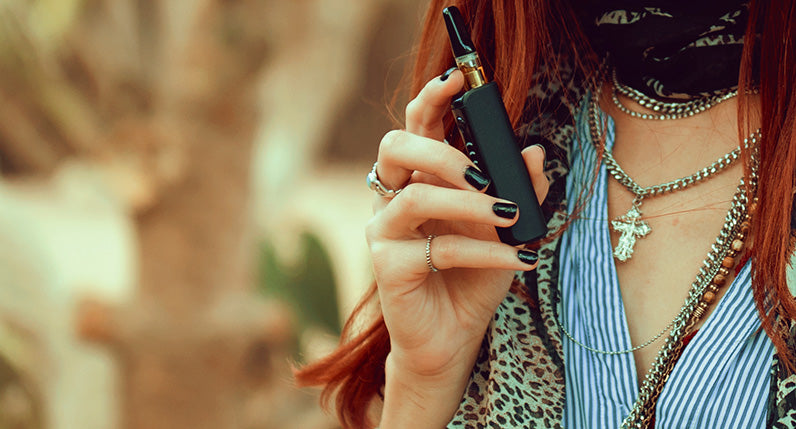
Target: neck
(678, 147)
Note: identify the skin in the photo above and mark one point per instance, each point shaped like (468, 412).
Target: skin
(437, 320)
(656, 281)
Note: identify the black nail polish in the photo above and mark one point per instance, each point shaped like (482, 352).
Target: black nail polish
(476, 178)
(447, 73)
(505, 210)
(528, 256)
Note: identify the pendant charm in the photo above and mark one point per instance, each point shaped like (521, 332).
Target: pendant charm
(631, 227)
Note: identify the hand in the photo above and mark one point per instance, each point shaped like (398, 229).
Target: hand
(437, 320)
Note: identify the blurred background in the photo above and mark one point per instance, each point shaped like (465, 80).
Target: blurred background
(182, 203)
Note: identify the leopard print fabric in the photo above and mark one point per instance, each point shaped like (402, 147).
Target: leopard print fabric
(782, 402)
(515, 382)
(783, 413)
(518, 377)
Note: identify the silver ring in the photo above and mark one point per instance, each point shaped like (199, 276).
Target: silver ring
(375, 184)
(428, 254)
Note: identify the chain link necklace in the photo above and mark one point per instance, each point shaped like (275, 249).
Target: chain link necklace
(630, 225)
(664, 110)
(659, 189)
(712, 275)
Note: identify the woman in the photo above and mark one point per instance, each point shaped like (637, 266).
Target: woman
(465, 331)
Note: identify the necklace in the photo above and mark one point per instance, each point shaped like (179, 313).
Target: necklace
(712, 275)
(685, 312)
(618, 352)
(664, 110)
(630, 225)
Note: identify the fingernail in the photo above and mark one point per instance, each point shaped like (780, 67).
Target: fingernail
(476, 178)
(528, 256)
(505, 210)
(447, 74)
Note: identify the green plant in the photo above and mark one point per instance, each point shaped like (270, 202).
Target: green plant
(308, 286)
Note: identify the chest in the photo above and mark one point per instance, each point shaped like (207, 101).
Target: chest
(683, 223)
(613, 305)
(656, 280)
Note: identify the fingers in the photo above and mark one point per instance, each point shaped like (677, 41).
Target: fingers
(451, 251)
(401, 153)
(457, 251)
(424, 116)
(534, 157)
(425, 112)
(421, 202)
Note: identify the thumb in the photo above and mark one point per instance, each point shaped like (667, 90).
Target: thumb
(534, 157)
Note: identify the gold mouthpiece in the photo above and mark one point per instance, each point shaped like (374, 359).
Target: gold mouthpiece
(470, 65)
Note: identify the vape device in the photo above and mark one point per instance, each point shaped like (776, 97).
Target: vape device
(488, 137)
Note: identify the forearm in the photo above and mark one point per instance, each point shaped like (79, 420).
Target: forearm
(421, 402)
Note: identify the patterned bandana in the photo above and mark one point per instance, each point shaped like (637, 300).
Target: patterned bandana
(672, 49)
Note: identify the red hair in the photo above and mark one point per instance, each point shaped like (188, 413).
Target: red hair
(511, 37)
(771, 223)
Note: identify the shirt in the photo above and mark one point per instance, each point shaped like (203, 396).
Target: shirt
(722, 379)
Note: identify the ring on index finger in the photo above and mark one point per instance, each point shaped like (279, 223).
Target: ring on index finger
(375, 184)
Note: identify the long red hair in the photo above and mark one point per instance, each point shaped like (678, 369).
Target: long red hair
(512, 36)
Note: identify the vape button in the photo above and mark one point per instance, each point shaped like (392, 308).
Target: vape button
(465, 130)
(462, 123)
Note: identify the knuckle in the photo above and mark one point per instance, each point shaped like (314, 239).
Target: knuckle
(377, 252)
(376, 242)
(390, 142)
(411, 198)
(412, 108)
(372, 230)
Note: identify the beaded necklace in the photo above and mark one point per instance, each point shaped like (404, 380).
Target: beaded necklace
(712, 276)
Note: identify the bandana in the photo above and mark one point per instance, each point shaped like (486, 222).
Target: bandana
(668, 49)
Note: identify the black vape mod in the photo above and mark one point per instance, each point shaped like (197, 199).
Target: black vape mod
(489, 138)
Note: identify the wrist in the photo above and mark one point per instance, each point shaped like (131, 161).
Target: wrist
(431, 398)
(428, 365)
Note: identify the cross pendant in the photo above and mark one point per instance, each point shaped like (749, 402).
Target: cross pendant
(631, 227)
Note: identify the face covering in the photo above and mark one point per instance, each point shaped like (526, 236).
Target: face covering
(671, 49)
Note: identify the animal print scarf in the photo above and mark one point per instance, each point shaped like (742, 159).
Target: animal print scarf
(656, 46)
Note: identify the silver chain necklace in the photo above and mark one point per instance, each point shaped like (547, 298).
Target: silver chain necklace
(652, 385)
(620, 352)
(630, 225)
(664, 110)
(715, 257)
(643, 408)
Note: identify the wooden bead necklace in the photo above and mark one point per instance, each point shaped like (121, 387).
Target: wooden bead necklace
(712, 276)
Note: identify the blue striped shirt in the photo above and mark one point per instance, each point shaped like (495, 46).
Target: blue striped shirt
(722, 378)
